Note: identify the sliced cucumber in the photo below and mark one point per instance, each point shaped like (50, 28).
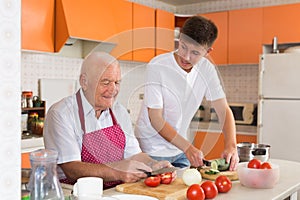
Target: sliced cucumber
(212, 171)
(214, 165)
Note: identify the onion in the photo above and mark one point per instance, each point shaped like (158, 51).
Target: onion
(191, 176)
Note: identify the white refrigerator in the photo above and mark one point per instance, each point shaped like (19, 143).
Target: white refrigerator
(279, 104)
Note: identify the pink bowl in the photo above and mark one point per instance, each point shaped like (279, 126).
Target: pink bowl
(258, 178)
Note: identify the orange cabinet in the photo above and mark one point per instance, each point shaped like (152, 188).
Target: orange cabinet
(37, 25)
(212, 144)
(122, 15)
(165, 24)
(282, 22)
(220, 47)
(245, 36)
(143, 33)
(25, 160)
(81, 19)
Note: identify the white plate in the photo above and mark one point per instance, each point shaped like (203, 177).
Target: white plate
(133, 197)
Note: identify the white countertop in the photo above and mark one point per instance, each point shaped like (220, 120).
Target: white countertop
(288, 185)
(204, 126)
(31, 144)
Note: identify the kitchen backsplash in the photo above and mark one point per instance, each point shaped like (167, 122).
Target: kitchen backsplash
(240, 81)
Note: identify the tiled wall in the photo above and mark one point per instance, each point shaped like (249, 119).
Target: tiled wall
(38, 66)
(10, 117)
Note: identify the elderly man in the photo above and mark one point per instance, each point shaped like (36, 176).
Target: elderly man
(91, 133)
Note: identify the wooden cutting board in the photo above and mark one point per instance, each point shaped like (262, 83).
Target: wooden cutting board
(232, 175)
(174, 191)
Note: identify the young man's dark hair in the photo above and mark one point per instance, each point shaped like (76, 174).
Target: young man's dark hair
(201, 30)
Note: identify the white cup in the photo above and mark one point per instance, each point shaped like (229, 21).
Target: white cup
(88, 188)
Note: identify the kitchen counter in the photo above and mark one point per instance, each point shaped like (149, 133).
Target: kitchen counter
(288, 185)
(31, 144)
(215, 127)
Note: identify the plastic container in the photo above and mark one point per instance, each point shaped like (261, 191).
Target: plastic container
(258, 178)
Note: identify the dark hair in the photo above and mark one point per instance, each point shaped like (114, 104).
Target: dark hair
(200, 29)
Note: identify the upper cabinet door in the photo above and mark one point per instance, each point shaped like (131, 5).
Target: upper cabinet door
(143, 33)
(282, 22)
(245, 36)
(37, 25)
(122, 15)
(219, 53)
(165, 24)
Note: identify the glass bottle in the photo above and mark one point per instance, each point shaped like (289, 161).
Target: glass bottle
(44, 183)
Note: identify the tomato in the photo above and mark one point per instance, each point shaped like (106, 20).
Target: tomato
(195, 192)
(166, 178)
(254, 163)
(210, 189)
(152, 181)
(223, 183)
(265, 165)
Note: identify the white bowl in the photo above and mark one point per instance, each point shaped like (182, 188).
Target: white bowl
(258, 178)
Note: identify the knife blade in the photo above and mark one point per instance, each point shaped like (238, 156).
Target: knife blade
(206, 162)
(159, 171)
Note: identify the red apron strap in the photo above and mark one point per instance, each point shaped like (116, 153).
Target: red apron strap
(80, 110)
(113, 117)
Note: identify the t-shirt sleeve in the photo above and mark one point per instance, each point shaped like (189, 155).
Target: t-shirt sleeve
(214, 90)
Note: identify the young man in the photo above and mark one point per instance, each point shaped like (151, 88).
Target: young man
(176, 84)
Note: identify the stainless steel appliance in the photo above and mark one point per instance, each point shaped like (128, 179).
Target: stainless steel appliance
(279, 104)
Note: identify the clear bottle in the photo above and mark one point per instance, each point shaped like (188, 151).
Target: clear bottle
(44, 183)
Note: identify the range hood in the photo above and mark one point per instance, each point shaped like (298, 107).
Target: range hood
(80, 28)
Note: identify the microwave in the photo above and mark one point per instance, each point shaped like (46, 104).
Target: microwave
(244, 113)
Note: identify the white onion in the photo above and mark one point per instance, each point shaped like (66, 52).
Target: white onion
(191, 176)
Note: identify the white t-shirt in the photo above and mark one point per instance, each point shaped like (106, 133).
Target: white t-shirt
(63, 133)
(179, 94)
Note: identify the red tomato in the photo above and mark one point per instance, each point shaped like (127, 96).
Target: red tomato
(254, 163)
(166, 178)
(195, 192)
(210, 189)
(265, 165)
(152, 181)
(223, 183)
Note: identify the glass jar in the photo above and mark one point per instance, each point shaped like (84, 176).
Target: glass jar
(44, 183)
(32, 120)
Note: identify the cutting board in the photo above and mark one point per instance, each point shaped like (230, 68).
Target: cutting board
(174, 191)
(232, 175)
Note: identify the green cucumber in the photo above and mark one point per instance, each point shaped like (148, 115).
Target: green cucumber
(219, 164)
(212, 171)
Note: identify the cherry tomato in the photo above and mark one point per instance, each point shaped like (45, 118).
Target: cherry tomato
(166, 178)
(195, 192)
(265, 165)
(254, 163)
(152, 181)
(223, 183)
(210, 189)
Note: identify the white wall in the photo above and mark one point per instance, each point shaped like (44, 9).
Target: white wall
(10, 100)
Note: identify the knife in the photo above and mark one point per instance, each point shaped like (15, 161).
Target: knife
(206, 162)
(159, 171)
